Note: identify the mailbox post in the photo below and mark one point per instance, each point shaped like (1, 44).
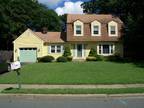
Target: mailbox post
(16, 67)
(18, 78)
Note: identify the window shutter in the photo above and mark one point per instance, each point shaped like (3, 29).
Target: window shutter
(62, 49)
(49, 49)
(74, 50)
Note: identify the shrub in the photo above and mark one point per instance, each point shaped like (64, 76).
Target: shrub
(115, 58)
(46, 59)
(92, 52)
(67, 51)
(62, 59)
(69, 58)
(99, 58)
(90, 58)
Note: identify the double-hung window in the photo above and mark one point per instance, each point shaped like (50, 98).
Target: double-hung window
(56, 49)
(113, 30)
(78, 29)
(95, 29)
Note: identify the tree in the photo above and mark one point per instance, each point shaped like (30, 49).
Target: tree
(18, 15)
(63, 22)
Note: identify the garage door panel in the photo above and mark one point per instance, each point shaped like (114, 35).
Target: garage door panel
(28, 55)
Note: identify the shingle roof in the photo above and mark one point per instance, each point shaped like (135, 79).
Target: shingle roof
(52, 37)
(87, 18)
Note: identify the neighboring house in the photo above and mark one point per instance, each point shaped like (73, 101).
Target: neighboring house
(83, 32)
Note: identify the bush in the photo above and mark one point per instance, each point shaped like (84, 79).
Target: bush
(4, 67)
(91, 58)
(92, 52)
(115, 58)
(69, 58)
(62, 59)
(67, 51)
(46, 59)
(99, 58)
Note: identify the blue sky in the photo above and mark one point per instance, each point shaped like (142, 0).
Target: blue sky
(64, 6)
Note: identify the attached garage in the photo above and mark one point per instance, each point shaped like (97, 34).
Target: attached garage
(32, 45)
(28, 54)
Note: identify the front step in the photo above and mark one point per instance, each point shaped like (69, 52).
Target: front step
(79, 60)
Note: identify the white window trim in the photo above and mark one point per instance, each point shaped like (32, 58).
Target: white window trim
(95, 23)
(49, 48)
(82, 28)
(112, 23)
(109, 49)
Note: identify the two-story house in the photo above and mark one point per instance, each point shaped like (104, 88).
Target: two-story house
(83, 32)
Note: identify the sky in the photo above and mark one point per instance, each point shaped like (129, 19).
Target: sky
(64, 6)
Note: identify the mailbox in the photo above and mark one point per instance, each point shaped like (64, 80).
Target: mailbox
(15, 65)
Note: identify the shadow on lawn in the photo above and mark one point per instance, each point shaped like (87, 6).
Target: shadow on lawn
(137, 63)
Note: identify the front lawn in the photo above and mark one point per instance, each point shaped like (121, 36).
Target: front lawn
(77, 73)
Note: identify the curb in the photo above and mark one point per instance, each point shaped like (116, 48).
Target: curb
(71, 95)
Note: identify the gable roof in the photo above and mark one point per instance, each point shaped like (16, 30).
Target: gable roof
(88, 18)
(52, 37)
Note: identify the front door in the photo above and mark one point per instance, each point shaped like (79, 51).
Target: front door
(79, 50)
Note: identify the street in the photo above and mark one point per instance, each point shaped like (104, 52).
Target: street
(70, 102)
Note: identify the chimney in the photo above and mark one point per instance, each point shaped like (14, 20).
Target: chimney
(44, 30)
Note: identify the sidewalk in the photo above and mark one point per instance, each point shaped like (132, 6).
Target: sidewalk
(42, 86)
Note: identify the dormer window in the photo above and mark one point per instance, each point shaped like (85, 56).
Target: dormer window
(96, 28)
(78, 28)
(113, 28)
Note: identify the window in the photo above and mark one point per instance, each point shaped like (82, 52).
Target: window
(52, 49)
(106, 49)
(78, 29)
(95, 29)
(112, 30)
(56, 49)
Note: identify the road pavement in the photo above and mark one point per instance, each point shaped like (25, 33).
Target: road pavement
(70, 102)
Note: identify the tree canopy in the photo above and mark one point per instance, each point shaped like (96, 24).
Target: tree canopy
(131, 13)
(18, 15)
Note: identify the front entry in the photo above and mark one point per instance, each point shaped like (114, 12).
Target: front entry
(79, 50)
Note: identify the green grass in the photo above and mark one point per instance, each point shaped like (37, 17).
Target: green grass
(78, 73)
(75, 91)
